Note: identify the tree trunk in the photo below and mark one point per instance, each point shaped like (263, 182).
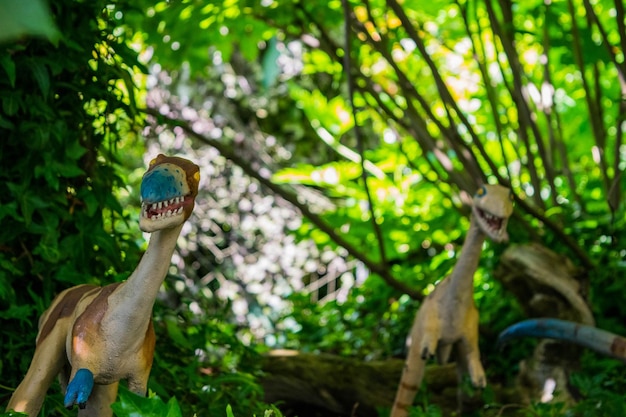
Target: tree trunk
(546, 284)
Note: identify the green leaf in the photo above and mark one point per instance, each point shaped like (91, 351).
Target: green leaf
(26, 18)
(74, 151)
(28, 201)
(173, 330)
(10, 104)
(9, 67)
(12, 414)
(6, 124)
(69, 170)
(133, 405)
(9, 209)
(42, 76)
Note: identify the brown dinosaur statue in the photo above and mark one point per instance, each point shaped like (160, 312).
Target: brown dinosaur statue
(92, 337)
(448, 316)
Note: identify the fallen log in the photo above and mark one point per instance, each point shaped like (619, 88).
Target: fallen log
(311, 385)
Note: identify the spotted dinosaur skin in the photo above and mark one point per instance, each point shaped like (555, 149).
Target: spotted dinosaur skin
(448, 316)
(93, 337)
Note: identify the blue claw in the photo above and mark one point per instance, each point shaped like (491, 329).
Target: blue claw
(79, 389)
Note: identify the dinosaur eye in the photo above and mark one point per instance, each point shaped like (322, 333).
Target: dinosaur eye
(481, 191)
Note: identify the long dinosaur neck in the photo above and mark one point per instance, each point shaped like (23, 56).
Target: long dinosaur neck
(133, 301)
(462, 276)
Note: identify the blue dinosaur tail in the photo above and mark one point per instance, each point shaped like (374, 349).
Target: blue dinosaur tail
(79, 389)
(587, 336)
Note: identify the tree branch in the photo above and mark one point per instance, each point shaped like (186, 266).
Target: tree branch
(347, 56)
(291, 197)
(481, 59)
(518, 95)
(592, 106)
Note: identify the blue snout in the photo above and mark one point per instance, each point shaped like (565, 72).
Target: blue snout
(162, 183)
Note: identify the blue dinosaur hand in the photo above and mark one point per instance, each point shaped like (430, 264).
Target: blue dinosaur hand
(79, 389)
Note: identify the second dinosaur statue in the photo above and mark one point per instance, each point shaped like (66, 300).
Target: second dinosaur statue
(92, 337)
(448, 316)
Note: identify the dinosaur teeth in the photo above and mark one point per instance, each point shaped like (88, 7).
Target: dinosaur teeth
(494, 222)
(175, 200)
(161, 215)
(163, 209)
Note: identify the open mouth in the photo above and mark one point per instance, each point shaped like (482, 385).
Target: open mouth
(493, 222)
(163, 209)
(493, 225)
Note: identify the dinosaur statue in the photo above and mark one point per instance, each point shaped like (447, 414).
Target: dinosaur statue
(581, 334)
(448, 316)
(92, 337)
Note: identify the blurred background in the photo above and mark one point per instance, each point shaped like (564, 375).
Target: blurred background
(340, 144)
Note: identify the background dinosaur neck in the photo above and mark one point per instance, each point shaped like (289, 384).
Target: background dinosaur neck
(133, 301)
(462, 276)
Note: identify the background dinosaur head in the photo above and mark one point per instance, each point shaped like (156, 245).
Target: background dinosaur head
(492, 206)
(168, 192)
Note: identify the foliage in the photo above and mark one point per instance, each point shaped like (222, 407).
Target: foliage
(203, 364)
(132, 404)
(444, 95)
(64, 110)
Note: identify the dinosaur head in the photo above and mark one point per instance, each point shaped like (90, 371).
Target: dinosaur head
(492, 206)
(168, 192)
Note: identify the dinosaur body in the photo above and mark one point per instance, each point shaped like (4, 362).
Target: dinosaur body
(587, 336)
(93, 337)
(448, 316)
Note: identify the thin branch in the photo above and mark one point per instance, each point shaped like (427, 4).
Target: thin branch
(517, 97)
(448, 100)
(347, 65)
(526, 111)
(621, 29)
(593, 110)
(620, 119)
(527, 115)
(472, 175)
(592, 17)
(555, 130)
(417, 125)
(412, 120)
(452, 178)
